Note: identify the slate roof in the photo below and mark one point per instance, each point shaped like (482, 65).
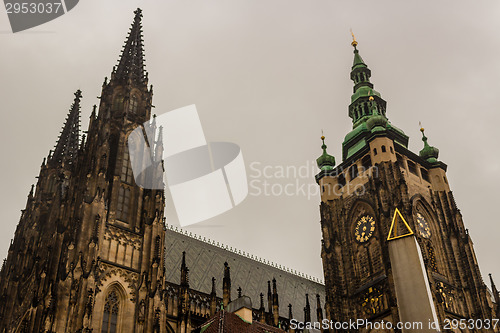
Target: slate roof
(231, 323)
(206, 260)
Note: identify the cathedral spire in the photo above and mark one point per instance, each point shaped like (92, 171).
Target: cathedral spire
(131, 63)
(226, 285)
(364, 99)
(269, 298)
(184, 271)
(367, 111)
(494, 290)
(213, 293)
(262, 310)
(307, 310)
(68, 142)
(275, 304)
(319, 310)
(213, 299)
(358, 61)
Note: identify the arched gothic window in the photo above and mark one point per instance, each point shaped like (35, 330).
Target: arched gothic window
(110, 315)
(117, 102)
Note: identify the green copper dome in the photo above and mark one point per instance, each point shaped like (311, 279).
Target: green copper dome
(325, 161)
(429, 153)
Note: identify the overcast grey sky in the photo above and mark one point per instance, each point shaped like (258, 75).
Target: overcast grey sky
(269, 75)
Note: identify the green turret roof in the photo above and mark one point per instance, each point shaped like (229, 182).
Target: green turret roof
(358, 61)
(429, 153)
(325, 161)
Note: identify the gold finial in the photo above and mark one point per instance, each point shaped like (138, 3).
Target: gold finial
(371, 97)
(421, 128)
(322, 136)
(354, 42)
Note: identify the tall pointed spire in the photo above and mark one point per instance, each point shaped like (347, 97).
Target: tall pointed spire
(307, 310)
(358, 61)
(213, 299)
(226, 285)
(360, 108)
(67, 144)
(131, 64)
(319, 310)
(367, 110)
(262, 310)
(494, 290)
(496, 295)
(269, 298)
(184, 271)
(275, 304)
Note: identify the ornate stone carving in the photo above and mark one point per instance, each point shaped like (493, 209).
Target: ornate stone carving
(107, 271)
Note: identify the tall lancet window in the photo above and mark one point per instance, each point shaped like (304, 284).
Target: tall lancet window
(123, 204)
(126, 175)
(110, 316)
(118, 102)
(133, 104)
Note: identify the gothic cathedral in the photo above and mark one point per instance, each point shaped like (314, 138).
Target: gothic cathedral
(380, 193)
(88, 254)
(88, 238)
(92, 251)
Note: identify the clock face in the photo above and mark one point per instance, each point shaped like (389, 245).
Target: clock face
(423, 226)
(364, 228)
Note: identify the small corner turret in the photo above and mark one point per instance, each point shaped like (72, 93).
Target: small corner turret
(325, 161)
(428, 153)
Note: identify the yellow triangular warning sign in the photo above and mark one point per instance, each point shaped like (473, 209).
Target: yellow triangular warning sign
(394, 233)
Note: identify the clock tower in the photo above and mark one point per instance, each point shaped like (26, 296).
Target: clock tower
(381, 191)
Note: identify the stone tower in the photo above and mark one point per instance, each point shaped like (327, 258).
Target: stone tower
(88, 251)
(360, 200)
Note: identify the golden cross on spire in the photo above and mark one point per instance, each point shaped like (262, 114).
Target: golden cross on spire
(354, 42)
